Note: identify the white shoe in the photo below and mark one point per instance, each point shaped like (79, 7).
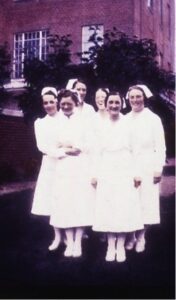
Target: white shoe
(120, 255)
(110, 255)
(103, 238)
(140, 246)
(54, 245)
(77, 251)
(68, 251)
(85, 236)
(130, 245)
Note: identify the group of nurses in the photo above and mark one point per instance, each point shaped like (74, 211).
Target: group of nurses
(103, 169)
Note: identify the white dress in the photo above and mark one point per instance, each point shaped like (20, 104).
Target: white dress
(73, 195)
(98, 122)
(46, 131)
(148, 145)
(117, 206)
(86, 111)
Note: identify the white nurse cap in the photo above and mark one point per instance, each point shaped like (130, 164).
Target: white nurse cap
(48, 89)
(145, 89)
(70, 83)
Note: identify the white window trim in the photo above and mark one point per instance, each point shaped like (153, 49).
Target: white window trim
(12, 112)
(149, 3)
(15, 84)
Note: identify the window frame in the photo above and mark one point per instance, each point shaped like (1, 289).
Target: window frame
(27, 41)
(150, 5)
(85, 43)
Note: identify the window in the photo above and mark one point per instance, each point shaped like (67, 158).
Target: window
(20, 0)
(161, 13)
(169, 66)
(87, 32)
(28, 45)
(150, 4)
(169, 21)
(160, 59)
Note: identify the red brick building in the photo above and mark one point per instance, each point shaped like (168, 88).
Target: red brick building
(25, 24)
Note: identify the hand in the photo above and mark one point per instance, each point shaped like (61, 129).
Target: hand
(157, 177)
(94, 182)
(137, 182)
(72, 151)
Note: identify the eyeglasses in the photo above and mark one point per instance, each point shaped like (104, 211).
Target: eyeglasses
(48, 102)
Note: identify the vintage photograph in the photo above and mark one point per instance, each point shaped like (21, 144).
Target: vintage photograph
(87, 155)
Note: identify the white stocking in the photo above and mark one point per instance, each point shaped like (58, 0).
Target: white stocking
(69, 232)
(120, 249)
(57, 238)
(78, 241)
(111, 250)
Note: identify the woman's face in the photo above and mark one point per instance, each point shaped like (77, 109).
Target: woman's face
(136, 99)
(81, 89)
(100, 97)
(114, 105)
(67, 105)
(50, 104)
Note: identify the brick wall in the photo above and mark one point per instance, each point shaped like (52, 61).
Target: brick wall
(68, 17)
(19, 157)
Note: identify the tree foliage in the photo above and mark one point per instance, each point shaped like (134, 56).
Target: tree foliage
(117, 63)
(122, 61)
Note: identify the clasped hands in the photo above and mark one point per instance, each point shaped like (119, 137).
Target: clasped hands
(69, 149)
(157, 177)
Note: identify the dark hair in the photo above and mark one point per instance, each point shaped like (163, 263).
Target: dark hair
(135, 87)
(68, 93)
(103, 90)
(79, 80)
(113, 93)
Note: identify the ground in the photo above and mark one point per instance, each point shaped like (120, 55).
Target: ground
(28, 270)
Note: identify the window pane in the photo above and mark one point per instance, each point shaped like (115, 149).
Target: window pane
(87, 33)
(28, 45)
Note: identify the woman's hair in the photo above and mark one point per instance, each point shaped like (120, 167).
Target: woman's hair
(68, 93)
(105, 90)
(135, 87)
(79, 80)
(113, 93)
(50, 93)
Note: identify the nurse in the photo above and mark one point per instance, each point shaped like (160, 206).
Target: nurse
(46, 130)
(100, 96)
(117, 209)
(149, 150)
(86, 110)
(73, 195)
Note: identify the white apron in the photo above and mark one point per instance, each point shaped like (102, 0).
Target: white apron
(73, 195)
(148, 146)
(117, 203)
(46, 131)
